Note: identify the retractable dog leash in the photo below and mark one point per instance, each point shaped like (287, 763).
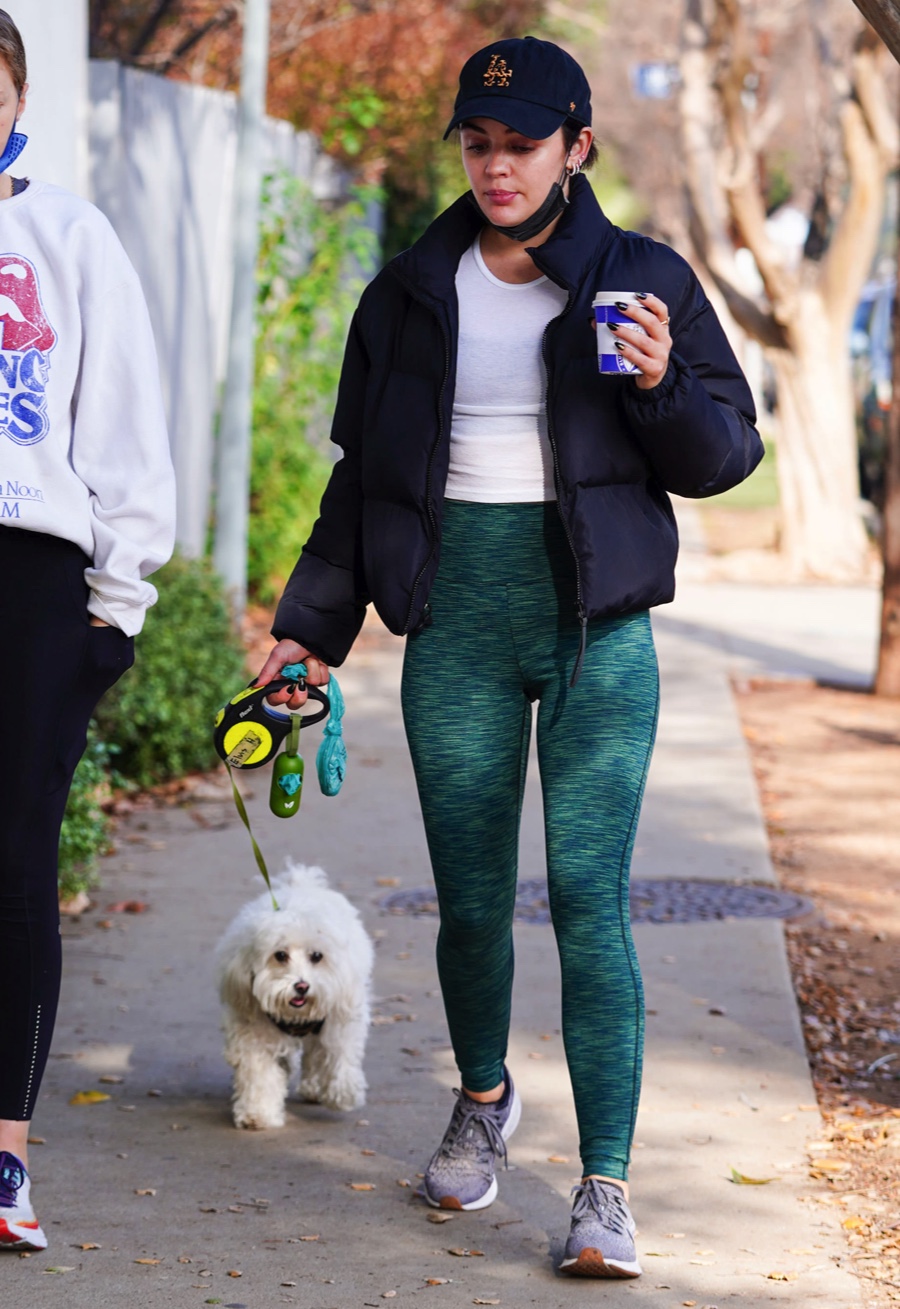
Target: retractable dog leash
(248, 733)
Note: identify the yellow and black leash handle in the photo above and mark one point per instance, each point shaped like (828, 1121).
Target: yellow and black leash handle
(248, 733)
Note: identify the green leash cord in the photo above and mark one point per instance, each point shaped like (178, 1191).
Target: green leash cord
(242, 811)
(287, 768)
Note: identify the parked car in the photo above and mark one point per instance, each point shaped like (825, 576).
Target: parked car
(870, 352)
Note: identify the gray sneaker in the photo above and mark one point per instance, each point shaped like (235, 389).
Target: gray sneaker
(461, 1172)
(601, 1241)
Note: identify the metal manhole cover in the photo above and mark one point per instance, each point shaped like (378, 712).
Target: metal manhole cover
(651, 902)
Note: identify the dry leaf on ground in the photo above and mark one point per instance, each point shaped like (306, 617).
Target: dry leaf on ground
(151, 1261)
(362, 1186)
(741, 1179)
(89, 1097)
(828, 760)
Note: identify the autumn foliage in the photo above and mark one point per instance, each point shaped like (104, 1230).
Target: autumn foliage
(374, 80)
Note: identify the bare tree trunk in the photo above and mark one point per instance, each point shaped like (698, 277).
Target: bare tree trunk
(821, 534)
(801, 315)
(887, 678)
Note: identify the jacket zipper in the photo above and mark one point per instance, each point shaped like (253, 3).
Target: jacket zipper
(579, 602)
(434, 449)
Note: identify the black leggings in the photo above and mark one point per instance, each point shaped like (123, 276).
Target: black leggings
(54, 667)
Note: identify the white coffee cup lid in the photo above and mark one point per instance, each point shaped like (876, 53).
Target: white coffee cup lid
(610, 297)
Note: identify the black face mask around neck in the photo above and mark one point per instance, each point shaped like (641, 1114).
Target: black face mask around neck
(553, 206)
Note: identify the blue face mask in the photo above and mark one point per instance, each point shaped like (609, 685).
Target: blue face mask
(14, 147)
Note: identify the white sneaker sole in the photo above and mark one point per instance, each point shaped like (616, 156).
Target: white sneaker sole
(490, 1195)
(21, 1234)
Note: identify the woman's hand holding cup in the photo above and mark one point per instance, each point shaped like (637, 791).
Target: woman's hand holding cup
(649, 349)
(289, 652)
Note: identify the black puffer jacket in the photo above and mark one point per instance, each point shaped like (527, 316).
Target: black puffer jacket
(617, 449)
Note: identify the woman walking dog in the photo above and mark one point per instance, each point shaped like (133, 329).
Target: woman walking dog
(504, 505)
(86, 512)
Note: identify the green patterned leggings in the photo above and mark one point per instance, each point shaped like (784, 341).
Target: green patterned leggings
(505, 634)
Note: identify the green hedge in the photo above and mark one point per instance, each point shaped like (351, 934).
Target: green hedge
(189, 660)
(85, 829)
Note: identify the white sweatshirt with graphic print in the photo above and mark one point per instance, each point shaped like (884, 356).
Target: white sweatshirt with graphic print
(84, 453)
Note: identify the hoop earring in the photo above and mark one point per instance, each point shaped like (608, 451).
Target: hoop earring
(574, 168)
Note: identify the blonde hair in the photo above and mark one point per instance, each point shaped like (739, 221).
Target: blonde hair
(12, 51)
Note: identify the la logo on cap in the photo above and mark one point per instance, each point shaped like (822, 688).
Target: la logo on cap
(497, 72)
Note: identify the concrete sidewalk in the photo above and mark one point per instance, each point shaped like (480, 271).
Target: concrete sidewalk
(721, 1089)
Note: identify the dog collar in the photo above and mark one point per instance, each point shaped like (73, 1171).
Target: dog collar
(312, 1026)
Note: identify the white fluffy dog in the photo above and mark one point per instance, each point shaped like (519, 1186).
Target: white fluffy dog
(295, 985)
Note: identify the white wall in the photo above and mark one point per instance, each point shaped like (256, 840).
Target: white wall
(55, 33)
(162, 170)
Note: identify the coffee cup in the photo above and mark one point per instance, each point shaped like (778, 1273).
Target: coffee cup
(609, 358)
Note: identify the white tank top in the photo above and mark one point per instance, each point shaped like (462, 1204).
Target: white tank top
(499, 451)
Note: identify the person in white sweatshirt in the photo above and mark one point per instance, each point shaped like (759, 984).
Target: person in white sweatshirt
(87, 508)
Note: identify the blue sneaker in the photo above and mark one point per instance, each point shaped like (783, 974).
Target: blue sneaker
(601, 1240)
(19, 1229)
(461, 1172)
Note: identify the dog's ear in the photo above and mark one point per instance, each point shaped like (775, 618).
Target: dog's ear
(236, 980)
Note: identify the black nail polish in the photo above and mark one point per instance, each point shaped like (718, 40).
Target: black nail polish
(613, 327)
(620, 345)
(641, 295)
(621, 306)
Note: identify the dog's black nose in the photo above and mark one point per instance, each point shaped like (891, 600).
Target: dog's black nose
(301, 987)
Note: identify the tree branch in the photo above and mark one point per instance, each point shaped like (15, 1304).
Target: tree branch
(871, 92)
(871, 148)
(729, 40)
(164, 62)
(884, 15)
(853, 244)
(148, 31)
(746, 312)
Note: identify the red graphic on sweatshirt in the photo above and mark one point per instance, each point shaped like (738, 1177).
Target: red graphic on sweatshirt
(23, 324)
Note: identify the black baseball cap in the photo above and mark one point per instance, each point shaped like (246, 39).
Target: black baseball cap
(530, 85)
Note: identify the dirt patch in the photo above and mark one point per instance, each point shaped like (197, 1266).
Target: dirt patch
(727, 528)
(827, 763)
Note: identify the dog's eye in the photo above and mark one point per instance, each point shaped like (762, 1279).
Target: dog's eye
(281, 956)
(315, 957)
